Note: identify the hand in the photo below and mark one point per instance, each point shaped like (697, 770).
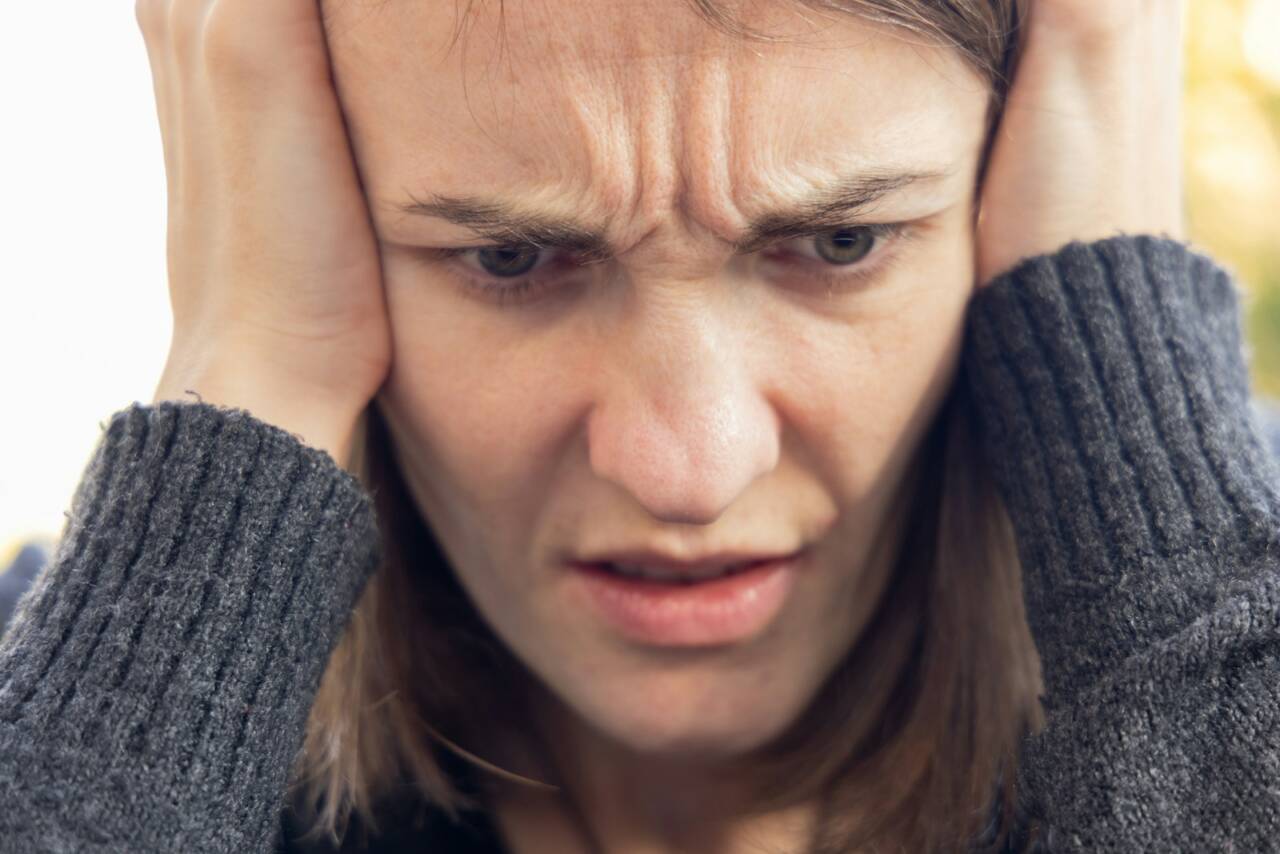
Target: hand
(1089, 143)
(274, 275)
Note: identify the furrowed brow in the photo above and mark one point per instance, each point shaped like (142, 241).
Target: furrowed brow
(504, 222)
(831, 206)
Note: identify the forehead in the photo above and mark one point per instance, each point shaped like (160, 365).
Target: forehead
(603, 100)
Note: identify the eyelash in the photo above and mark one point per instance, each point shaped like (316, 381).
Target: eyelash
(890, 238)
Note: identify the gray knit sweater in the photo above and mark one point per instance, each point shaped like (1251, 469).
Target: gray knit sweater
(156, 679)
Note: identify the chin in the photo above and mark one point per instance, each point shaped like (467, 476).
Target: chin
(701, 726)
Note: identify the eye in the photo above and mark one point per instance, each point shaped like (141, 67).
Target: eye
(500, 272)
(839, 259)
(846, 246)
(507, 262)
(844, 258)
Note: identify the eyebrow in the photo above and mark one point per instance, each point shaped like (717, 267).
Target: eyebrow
(831, 206)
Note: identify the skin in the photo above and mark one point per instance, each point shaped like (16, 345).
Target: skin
(678, 395)
(276, 278)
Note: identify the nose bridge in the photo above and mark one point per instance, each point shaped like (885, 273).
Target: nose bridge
(678, 421)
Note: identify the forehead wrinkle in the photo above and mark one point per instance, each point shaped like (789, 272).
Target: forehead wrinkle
(623, 125)
(617, 147)
(624, 33)
(742, 154)
(623, 154)
(727, 163)
(710, 146)
(617, 135)
(599, 122)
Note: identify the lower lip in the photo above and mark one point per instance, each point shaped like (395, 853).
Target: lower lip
(717, 611)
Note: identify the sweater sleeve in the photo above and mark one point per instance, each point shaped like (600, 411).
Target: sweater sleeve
(1113, 398)
(156, 680)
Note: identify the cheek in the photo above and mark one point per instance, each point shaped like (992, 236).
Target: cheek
(480, 404)
(864, 385)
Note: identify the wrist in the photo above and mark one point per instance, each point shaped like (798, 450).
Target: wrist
(317, 425)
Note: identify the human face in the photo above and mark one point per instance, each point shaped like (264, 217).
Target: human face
(680, 394)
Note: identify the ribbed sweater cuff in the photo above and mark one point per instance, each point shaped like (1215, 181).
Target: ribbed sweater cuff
(177, 638)
(1113, 395)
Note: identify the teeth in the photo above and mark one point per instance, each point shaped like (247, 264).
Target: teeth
(635, 571)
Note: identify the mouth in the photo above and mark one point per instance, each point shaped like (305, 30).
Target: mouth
(660, 575)
(644, 563)
(729, 604)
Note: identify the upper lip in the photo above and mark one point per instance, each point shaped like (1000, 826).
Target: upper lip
(664, 563)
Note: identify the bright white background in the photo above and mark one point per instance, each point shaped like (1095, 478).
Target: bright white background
(84, 311)
(84, 307)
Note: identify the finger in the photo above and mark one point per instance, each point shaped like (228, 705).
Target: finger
(243, 43)
(152, 19)
(1092, 25)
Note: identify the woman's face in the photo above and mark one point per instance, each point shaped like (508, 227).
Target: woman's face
(687, 393)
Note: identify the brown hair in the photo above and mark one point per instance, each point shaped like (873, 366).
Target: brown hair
(905, 745)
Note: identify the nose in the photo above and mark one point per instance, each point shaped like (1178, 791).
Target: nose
(678, 421)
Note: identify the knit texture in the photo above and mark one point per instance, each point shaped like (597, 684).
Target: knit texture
(1114, 397)
(155, 682)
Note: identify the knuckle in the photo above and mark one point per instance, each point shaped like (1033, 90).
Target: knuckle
(170, 27)
(227, 43)
(151, 16)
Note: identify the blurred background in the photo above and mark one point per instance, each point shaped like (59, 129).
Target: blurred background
(83, 299)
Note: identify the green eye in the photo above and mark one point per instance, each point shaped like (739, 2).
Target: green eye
(845, 246)
(507, 261)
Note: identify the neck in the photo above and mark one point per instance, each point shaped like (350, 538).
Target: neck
(618, 803)
(533, 823)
